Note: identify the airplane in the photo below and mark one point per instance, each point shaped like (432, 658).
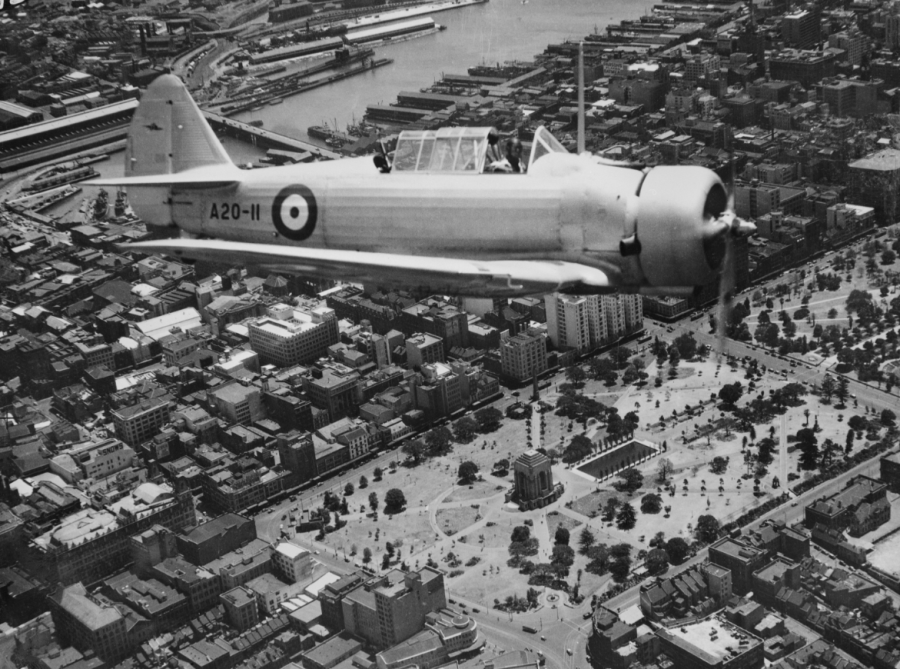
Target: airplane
(433, 219)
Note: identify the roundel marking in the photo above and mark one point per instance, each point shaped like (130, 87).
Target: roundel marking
(294, 212)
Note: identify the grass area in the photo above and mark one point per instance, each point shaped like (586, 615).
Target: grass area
(556, 519)
(478, 490)
(452, 521)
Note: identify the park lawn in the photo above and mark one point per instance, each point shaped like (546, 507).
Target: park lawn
(478, 490)
(497, 535)
(556, 519)
(411, 528)
(452, 521)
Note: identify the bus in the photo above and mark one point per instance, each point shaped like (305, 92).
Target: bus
(529, 629)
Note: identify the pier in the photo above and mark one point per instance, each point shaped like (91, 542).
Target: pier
(262, 137)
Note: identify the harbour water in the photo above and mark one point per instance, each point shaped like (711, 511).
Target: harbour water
(490, 33)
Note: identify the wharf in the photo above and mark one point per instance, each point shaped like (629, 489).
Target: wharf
(266, 138)
(282, 92)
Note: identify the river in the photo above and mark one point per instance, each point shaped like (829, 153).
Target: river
(495, 32)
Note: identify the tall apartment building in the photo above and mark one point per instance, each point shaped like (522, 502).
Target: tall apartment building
(140, 422)
(741, 558)
(293, 563)
(523, 356)
(584, 322)
(290, 336)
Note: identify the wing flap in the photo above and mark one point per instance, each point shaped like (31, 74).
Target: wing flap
(440, 275)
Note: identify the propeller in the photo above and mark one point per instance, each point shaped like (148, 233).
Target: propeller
(721, 237)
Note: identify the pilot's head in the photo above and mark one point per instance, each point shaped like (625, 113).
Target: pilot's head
(514, 147)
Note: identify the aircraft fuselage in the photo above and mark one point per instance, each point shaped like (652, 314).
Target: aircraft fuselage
(349, 205)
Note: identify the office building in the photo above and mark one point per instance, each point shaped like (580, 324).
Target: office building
(436, 317)
(446, 637)
(391, 608)
(214, 538)
(289, 336)
(523, 356)
(237, 403)
(423, 348)
(298, 455)
(90, 624)
(801, 29)
(875, 182)
(241, 608)
(741, 559)
(860, 507)
(335, 391)
(292, 563)
(713, 643)
(140, 422)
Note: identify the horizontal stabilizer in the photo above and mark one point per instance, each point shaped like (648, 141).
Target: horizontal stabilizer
(452, 275)
(204, 177)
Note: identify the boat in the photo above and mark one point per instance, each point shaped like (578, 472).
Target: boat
(319, 131)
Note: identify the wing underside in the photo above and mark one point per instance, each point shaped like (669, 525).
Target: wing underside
(488, 278)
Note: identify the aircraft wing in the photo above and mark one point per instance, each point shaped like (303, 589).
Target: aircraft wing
(486, 278)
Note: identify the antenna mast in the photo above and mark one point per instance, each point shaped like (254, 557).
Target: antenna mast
(580, 141)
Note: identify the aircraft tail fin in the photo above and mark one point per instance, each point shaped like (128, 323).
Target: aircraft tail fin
(169, 134)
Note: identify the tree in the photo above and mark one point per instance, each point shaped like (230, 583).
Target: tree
(415, 449)
(657, 560)
(631, 480)
(651, 503)
(521, 534)
(626, 518)
(580, 447)
(389, 548)
(465, 429)
(379, 473)
(664, 470)
(828, 387)
(888, 417)
(501, 465)
(394, 500)
(718, 465)
(612, 505)
(373, 501)
(348, 489)
(842, 390)
(707, 529)
(367, 555)
(438, 440)
(888, 257)
(363, 482)
(562, 557)
(575, 374)
(586, 540)
(488, 419)
(731, 392)
(686, 345)
(561, 536)
(468, 470)
(678, 550)
(808, 444)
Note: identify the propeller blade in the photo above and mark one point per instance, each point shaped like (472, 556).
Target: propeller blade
(726, 292)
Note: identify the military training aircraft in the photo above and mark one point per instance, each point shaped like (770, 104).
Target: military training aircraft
(432, 216)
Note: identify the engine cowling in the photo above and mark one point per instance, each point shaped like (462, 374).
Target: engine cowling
(676, 226)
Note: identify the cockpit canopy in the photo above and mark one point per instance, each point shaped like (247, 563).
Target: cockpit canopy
(442, 150)
(460, 150)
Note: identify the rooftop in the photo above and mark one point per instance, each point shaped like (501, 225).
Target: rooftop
(887, 160)
(713, 640)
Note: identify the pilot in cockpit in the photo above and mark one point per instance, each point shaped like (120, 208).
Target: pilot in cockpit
(511, 163)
